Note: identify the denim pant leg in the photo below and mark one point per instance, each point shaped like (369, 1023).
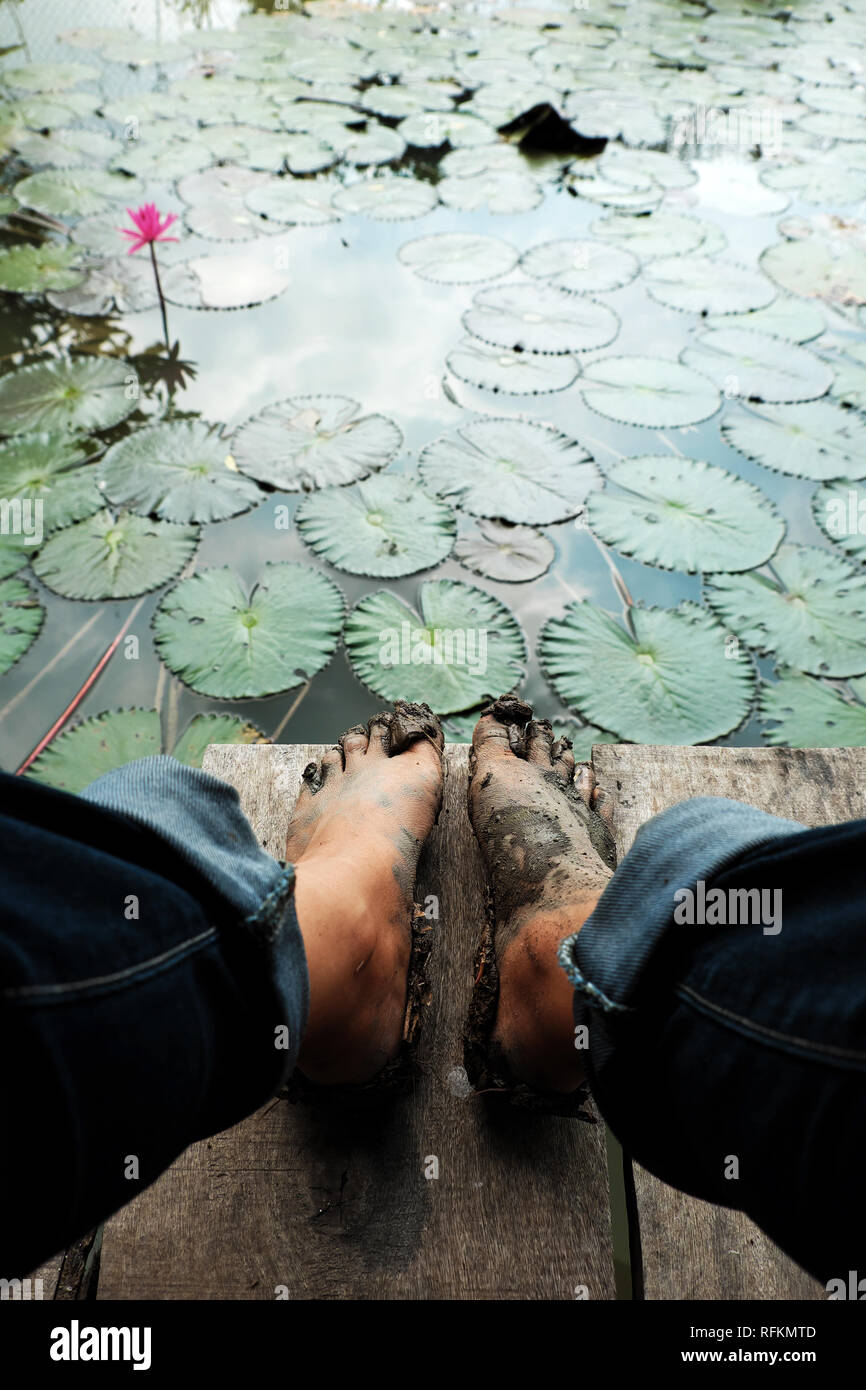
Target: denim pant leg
(730, 1059)
(153, 990)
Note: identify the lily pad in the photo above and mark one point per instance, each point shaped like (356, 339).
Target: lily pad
(839, 508)
(818, 269)
(49, 77)
(659, 234)
(818, 181)
(819, 440)
(701, 285)
(21, 617)
(110, 556)
(224, 641)
(580, 267)
(427, 129)
(205, 729)
(385, 526)
(648, 391)
(34, 269)
(676, 681)
(505, 194)
(684, 514)
(539, 318)
(75, 192)
(42, 467)
(795, 320)
(75, 393)
(506, 553)
(180, 471)
(513, 373)
(238, 279)
(849, 381)
(801, 712)
(387, 200)
(757, 366)
(115, 283)
(462, 646)
(515, 470)
(293, 200)
(308, 442)
(458, 258)
(163, 160)
(811, 618)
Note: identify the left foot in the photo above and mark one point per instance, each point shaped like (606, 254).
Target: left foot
(360, 821)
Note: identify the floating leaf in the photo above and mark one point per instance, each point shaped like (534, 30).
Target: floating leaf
(116, 283)
(677, 680)
(648, 391)
(539, 318)
(580, 266)
(818, 181)
(384, 527)
(49, 77)
(21, 617)
(515, 470)
(181, 471)
(839, 509)
(108, 556)
(792, 319)
(822, 270)
(505, 194)
(308, 442)
(233, 280)
(205, 729)
(377, 146)
(667, 170)
(703, 286)
(757, 366)
(684, 514)
(222, 641)
(458, 258)
(82, 393)
(659, 234)
(514, 373)
(819, 440)
(507, 553)
(464, 647)
(849, 381)
(811, 618)
(101, 235)
(41, 467)
(34, 269)
(427, 129)
(163, 160)
(75, 192)
(292, 200)
(95, 746)
(803, 712)
(387, 200)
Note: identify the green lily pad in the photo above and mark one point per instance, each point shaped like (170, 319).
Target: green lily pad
(648, 391)
(180, 471)
(540, 318)
(464, 647)
(795, 320)
(21, 617)
(513, 373)
(505, 552)
(387, 200)
(49, 77)
(580, 267)
(65, 149)
(676, 681)
(757, 366)
(818, 181)
(818, 269)
(34, 269)
(378, 145)
(224, 641)
(163, 160)
(116, 283)
(811, 618)
(74, 393)
(839, 508)
(659, 234)
(75, 192)
(458, 258)
(514, 470)
(293, 200)
(308, 442)
(385, 526)
(849, 380)
(427, 129)
(701, 285)
(108, 556)
(504, 194)
(801, 712)
(819, 440)
(237, 279)
(684, 514)
(205, 729)
(42, 467)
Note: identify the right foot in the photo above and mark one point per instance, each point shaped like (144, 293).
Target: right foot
(549, 855)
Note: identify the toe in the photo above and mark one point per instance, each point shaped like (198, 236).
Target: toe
(603, 803)
(490, 739)
(584, 781)
(332, 761)
(379, 732)
(539, 741)
(563, 759)
(500, 730)
(354, 745)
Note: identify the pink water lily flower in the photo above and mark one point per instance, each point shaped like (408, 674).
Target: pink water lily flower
(150, 227)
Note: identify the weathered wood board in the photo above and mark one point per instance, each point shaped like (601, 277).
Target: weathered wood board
(690, 1249)
(330, 1205)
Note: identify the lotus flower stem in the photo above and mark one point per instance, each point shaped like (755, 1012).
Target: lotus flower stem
(161, 297)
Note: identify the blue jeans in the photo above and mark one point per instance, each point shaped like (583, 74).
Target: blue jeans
(154, 990)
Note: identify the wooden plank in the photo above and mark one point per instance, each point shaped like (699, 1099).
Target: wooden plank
(690, 1249)
(43, 1281)
(336, 1205)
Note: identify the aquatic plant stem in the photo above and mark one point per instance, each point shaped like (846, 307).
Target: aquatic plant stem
(161, 296)
(289, 712)
(88, 685)
(49, 665)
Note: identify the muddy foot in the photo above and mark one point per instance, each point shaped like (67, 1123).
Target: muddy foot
(361, 819)
(549, 854)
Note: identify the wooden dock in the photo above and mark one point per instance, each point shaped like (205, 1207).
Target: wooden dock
(304, 1202)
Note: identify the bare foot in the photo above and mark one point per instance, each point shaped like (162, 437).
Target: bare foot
(549, 855)
(361, 819)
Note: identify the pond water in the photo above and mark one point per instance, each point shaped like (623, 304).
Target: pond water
(716, 113)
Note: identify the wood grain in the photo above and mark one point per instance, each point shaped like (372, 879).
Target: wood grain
(690, 1249)
(330, 1204)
